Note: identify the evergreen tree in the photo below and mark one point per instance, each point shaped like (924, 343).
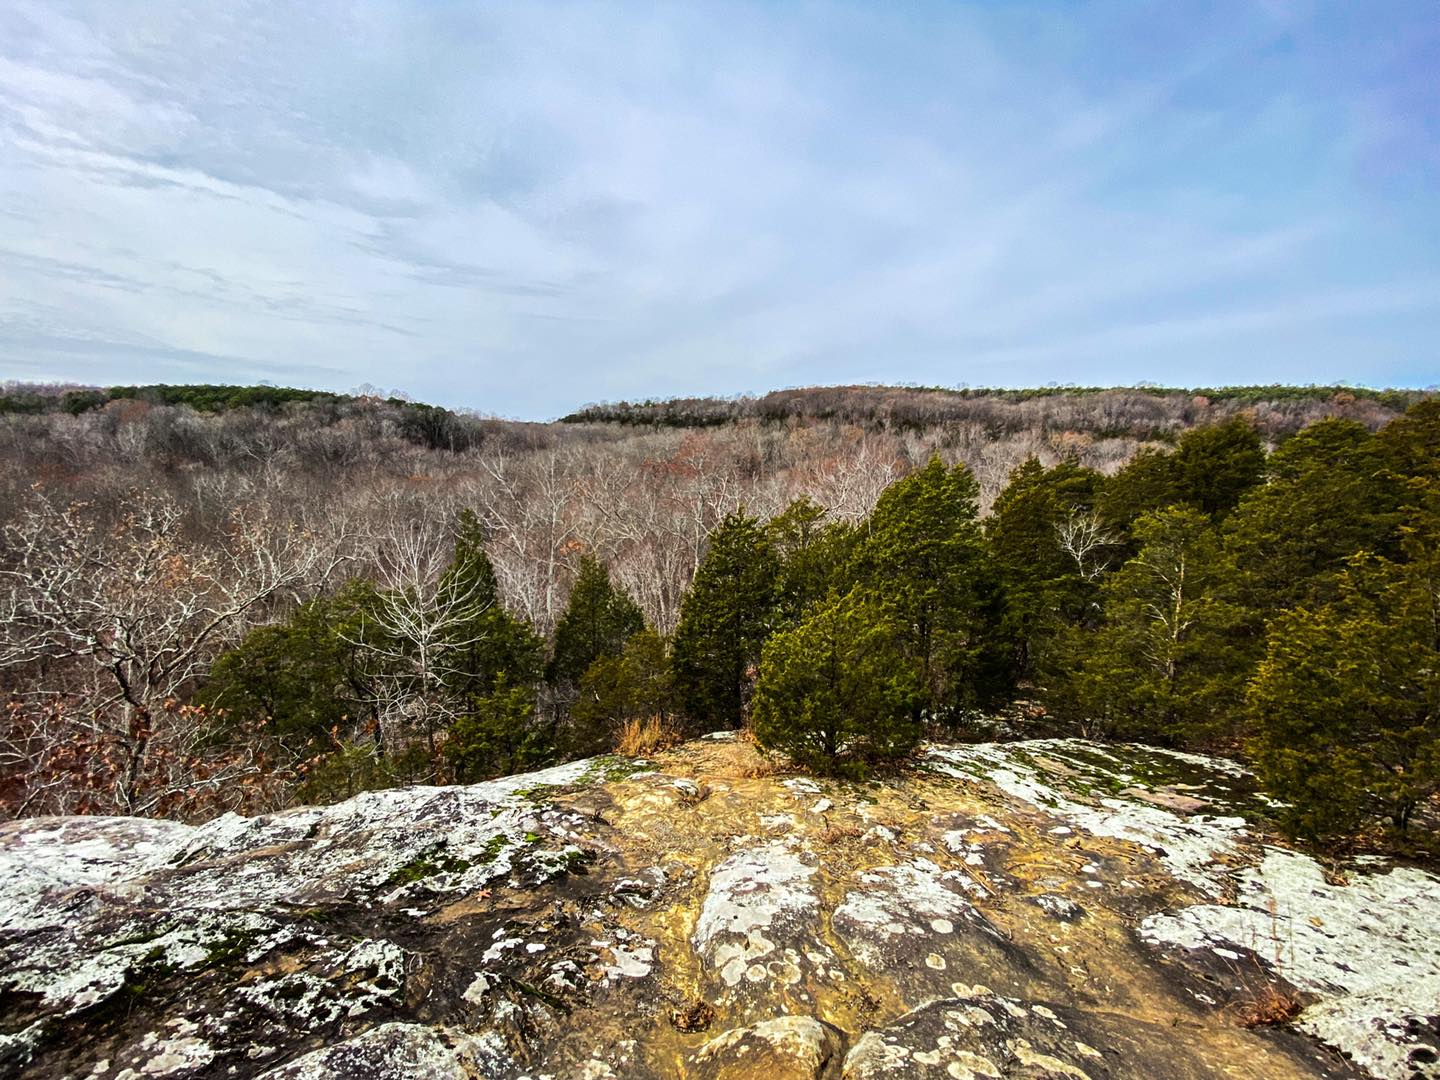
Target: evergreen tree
(634, 685)
(1162, 665)
(815, 555)
(1346, 704)
(1210, 469)
(598, 620)
(498, 735)
(488, 644)
(299, 678)
(491, 667)
(1149, 481)
(922, 561)
(1324, 500)
(1410, 444)
(1046, 548)
(839, 689)
(724, 619)
(1218, 464)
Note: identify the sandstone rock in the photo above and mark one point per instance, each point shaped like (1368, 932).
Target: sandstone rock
(786, 1048)
(986, 1037)
(758, 929)
(1027, 909)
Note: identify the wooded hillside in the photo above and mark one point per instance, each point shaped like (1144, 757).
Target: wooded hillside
(237, 597)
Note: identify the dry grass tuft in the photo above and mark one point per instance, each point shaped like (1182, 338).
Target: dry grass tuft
(1267, 1000)
(1267, 1005)
(642, 737)
(755, 766)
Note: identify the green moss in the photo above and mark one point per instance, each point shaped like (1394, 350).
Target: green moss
(437, 861)
(610, 768)
(143, 982)
(539, 793)
(494, 846)
(231, 947)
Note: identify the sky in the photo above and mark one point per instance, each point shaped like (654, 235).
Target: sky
(522, 208)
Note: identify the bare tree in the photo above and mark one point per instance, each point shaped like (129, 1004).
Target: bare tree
(1085, 538)
(134, 610)
(422, 616)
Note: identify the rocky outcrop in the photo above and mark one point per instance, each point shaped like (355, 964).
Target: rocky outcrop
(1044, 909)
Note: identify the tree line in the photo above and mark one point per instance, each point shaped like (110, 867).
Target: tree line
(260, 624)
(1282, 608)
(1145, 412)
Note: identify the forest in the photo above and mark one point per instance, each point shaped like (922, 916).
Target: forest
(244, 598)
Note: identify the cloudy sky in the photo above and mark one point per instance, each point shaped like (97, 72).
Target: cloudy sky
(523, 207)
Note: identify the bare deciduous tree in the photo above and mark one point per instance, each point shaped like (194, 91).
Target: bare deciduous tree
(1086, 539)
(126, 614)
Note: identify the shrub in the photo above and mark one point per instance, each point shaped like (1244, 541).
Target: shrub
(838, 690)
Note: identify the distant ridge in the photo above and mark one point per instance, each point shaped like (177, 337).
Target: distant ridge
(1132, 411)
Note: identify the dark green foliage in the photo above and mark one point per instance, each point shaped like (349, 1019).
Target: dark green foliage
(356, 766)
(76, 402)
(1047, 549)
(1411, 443)
(1346, 704)
(923, 562)
(839, 690)
(726, 616)
(598, 620)
(1218, 464)
(498, 735)
(1161, 666)
(634, 685)
(432, 426)
(815, 555)
(490, 645)
(1151, 480)
(1210, 469)
(1325, 499)
(206, 398)
(491, 671)
(428, 425)
(300, 678)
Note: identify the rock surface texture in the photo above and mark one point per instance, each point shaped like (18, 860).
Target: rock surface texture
(1044, 910)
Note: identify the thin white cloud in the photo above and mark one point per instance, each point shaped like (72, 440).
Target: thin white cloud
(520, 207)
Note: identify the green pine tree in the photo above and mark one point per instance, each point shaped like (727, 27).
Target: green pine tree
(1218, 464)
(922, 561)
(731, 608)
(489, 644)
(1210, 469)
(598, 620)
(1048, 550)
(1346, 703)
(1325, 498)
(1149, 481)
(1162, 665)
(1410, 444)
(634, 685)
(300, 679)
(498, 735)
(815, 554)
(839, 690)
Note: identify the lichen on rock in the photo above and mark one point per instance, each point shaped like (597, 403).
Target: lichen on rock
(1043, 909)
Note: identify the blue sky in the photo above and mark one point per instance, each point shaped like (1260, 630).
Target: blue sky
(523, 207)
